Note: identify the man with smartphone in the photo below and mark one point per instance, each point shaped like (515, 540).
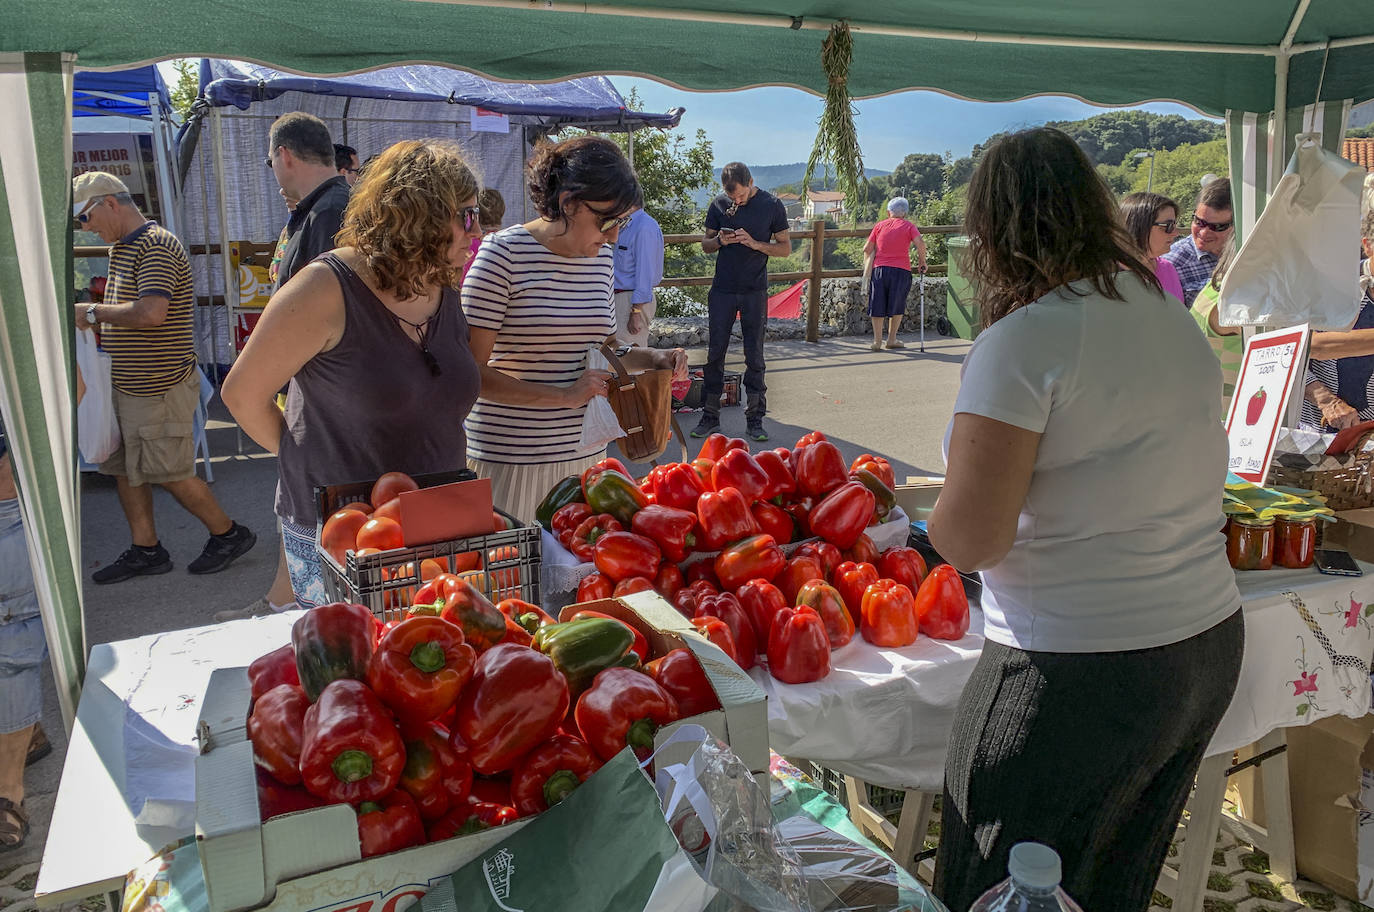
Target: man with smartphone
(747, 226)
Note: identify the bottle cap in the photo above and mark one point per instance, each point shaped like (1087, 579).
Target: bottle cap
(1034, 865)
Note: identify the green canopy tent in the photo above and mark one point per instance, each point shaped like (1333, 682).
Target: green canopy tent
(1246, 57)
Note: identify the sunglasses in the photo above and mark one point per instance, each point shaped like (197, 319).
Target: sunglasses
(1218, 227)
(85, 217)
(1167, 226)
(471, 216)
(614, 224)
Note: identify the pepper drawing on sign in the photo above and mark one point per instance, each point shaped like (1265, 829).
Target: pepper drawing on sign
(1255, 407)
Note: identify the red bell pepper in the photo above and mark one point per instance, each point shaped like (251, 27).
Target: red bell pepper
(472, 816)
(669, 580)
(889, 614)
(779, 472)
(624, 707)
(828, 555)
(702, 571)
(942, 605)
(587, 533)
(594, 587)
(718, 632)
(389, 824)
(739, 470)
(717, 445)
(725, 519)
(703, 469)
(756, 557)
(639, 645)
(685, 601)
(647, 483)
(460, 603)
(905, 565)
(798, 648)
(621, 555)
(797, 572)
(609, 463)
(678, 486)
(351, 750)
(680, 673)
(567, 519)
(550, 772)
(669, 528)
(843, 515)
(884, 498)
(726, 607)
(819, 469)
(761, 601)
(806, 440)
(420, 667)
(516, 699)
(878, 466)
(529, 616)
(852, 581)
(435, 775)
(823, 598)
(493, 789)
(800, 511)
(276, 667)
(331, 642)
(631, 585)
(276, 730)
(515, 633)
(863, 551)
(275, 799)
(775, 521)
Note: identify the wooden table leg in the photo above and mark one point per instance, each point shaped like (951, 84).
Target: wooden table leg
(1201, 830)
(1278, 806)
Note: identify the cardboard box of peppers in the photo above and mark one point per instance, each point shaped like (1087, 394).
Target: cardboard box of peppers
(460, 716)
(743, 592)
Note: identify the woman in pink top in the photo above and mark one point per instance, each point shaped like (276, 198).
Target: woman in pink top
(1152, 220)
(887, 270)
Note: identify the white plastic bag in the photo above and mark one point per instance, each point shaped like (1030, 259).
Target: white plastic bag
(1301, 260)
(599, 424)
(97, 431)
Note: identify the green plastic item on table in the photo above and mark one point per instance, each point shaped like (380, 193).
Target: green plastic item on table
(1242, 498)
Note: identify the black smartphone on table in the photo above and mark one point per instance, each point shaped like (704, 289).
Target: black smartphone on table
(1336, 563)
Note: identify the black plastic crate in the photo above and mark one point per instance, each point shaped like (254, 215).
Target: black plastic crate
(729, 394)
(507, 563)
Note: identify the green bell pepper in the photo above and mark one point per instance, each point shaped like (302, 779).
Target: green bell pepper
(582, 648)
(613, 493)
(566, 491)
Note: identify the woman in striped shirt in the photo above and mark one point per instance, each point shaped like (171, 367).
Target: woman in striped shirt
(537, 297)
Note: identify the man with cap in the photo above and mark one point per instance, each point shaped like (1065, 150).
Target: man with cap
(887, 270)
(145, 320)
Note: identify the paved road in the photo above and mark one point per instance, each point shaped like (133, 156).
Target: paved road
(891, 403)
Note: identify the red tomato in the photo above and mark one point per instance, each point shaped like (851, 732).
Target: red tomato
(383, 534)
(340, 532)
(361, 506)
(391, 485)
(468, 560)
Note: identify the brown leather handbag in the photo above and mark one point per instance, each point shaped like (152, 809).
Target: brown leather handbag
(643, 404)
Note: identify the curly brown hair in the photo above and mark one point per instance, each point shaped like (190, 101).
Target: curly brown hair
(401, 215)
(1039, 217)
(587, 168)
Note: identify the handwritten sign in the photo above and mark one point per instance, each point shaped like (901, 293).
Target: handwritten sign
(1269, 379)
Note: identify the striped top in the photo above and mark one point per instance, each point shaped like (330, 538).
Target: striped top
(150, 361)
(1230, 350)
(546, 311)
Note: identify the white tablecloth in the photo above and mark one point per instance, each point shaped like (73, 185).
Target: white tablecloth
(885, 715)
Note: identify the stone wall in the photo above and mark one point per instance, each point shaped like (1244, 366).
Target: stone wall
(844, 312)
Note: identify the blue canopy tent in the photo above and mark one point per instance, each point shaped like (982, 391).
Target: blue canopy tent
(138, 92)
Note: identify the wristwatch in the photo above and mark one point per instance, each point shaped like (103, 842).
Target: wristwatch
(90, 315)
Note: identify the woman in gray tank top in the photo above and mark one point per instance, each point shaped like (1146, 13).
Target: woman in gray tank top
(373, 342)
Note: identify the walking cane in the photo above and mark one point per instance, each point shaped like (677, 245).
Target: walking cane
(923, 311)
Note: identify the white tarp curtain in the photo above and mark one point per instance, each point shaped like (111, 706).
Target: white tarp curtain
(254, 209)
(36, 343)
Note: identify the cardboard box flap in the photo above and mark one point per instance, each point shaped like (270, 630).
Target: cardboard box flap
(308, 841)
(227, 818)
(223, 712)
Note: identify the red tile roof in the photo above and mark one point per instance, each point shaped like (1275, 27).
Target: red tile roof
(1360, 151)
(827, 196)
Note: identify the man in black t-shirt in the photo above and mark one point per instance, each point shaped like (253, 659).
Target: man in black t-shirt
(747, 225)
(301, 155)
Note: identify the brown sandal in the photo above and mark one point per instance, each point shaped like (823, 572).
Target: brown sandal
(39, 746)
(14, 825)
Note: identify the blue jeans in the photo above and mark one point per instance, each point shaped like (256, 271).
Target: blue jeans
(721, 309)
(23, 648)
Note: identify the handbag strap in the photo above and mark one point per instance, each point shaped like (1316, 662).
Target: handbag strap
(622, 375)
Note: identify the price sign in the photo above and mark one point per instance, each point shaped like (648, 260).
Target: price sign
(1270, 379)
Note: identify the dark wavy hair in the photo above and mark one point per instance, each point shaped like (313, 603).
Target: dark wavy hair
(1138, 213)
(401, 214)
(588, 169)
(1039, 217)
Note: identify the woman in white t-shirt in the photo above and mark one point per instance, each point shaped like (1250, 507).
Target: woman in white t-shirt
(1084, 479)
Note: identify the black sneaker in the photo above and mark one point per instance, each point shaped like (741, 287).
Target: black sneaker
(222, 550)
(135, 562)
(754, 431)
(707, 426)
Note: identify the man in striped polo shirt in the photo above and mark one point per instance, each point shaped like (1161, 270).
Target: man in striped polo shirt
(146, 329)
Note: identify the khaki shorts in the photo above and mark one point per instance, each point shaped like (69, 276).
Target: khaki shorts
(157, 433)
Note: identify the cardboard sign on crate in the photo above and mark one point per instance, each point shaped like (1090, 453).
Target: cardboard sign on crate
(448, 511)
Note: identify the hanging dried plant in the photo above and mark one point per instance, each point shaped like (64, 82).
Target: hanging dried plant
(837, 140)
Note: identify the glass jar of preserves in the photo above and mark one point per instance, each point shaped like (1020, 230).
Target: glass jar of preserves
(1250, 543)
(1295, 541)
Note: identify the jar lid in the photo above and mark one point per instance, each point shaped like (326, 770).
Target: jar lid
(1257, 521)
(1299, 520)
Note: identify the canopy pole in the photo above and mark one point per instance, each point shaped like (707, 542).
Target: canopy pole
(231, 279)
(1278, 128)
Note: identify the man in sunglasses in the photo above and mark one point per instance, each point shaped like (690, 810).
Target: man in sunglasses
(1195, 256)
(301, 156)
(346, 160)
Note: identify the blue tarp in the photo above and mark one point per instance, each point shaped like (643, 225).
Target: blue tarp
(135, 87)
(591, 99)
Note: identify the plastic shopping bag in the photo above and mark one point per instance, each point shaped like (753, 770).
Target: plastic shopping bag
(1301, 260)
(97, 431)
(599, 424)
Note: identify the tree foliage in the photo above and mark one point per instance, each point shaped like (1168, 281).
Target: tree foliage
(920, 174)
(1109, 138)
(1178, 173)
(187, 86)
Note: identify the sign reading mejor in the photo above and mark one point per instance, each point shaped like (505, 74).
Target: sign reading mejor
(113, 153)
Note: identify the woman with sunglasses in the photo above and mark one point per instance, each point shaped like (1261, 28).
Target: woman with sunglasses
(1113, 627)
(372, 339)
(537, 297)
(1152, 220)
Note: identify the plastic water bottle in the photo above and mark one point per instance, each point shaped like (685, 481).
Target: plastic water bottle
(1033, 885)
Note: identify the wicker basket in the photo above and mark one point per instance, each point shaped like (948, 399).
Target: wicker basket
(1351, 487)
